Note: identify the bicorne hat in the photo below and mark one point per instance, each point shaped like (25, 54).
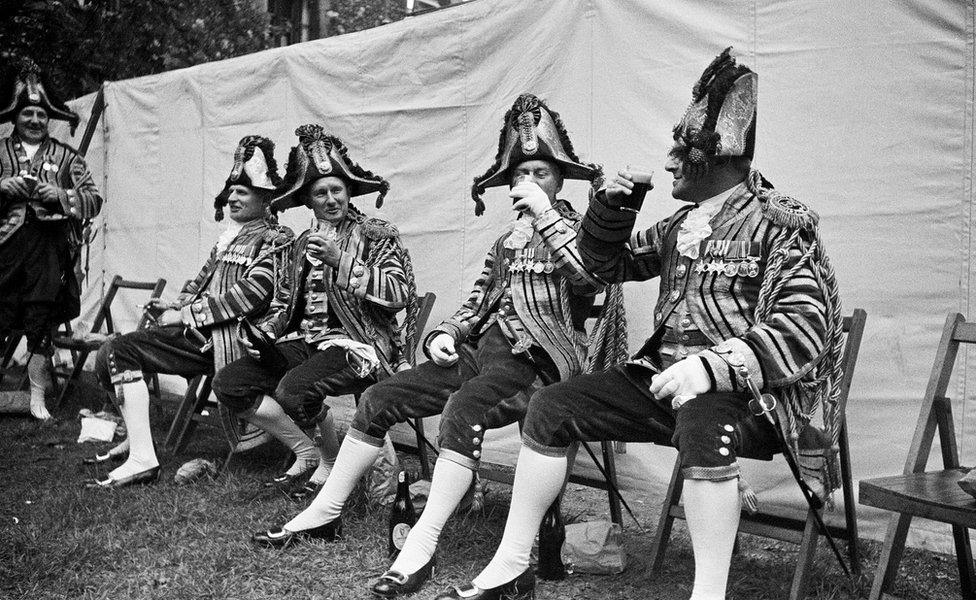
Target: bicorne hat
(22, 84)
(532, 131)
(721, 119)
(318, 155)
(254, 166)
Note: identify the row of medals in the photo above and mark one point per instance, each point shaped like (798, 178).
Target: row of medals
(742, 268)
(524, 265)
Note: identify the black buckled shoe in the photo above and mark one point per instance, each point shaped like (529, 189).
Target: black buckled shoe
(279, 537)
(103, 458)
(141, 478)
(520, 588)
(393, 583)
(289, 482)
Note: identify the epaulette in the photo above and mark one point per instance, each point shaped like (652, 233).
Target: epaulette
(378, 229)
(787, 211)
(278, 234)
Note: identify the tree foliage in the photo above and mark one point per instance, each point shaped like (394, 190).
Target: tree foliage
(82, 44)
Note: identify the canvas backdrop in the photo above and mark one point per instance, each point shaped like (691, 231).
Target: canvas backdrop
(865, 113)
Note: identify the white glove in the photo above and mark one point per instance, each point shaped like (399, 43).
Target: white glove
(442, 351)
(530, 199)
(683, 381)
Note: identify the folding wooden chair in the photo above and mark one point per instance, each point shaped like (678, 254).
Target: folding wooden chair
(81, 345)
(782, 525)
(917, 492)
(423, 314)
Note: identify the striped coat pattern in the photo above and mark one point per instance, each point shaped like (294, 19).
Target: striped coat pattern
(366, 291)
(236, 283)
(782, 349)
(55, 163)
(551, 305)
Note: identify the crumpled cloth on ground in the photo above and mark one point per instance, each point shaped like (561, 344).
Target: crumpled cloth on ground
(94, 429)
(594, 547)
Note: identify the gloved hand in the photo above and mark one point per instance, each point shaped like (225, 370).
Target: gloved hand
(683, 381)
(442, 350)
(530, 199)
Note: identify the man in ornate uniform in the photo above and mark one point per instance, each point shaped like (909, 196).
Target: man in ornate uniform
(198, 334)
(522, 324)
(746, 291)
(47, 195)
(332, 328)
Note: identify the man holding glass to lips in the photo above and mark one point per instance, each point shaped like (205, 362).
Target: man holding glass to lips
(522, 324)
(745, 290)
(332, 328)
(47, 195)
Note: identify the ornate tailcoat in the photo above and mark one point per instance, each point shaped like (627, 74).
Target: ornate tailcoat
(367, 289)
(550, 288)
(78, 201)
(760, 287)
(235, 283)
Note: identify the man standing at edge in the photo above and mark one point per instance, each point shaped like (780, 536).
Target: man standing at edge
(47, 195)
(744, 285)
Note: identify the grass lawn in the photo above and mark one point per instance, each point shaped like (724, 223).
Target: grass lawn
(59, 540)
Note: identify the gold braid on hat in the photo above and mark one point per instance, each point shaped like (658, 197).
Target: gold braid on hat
(317, 144)
(528, 103)
(243, 153)
(716, 81)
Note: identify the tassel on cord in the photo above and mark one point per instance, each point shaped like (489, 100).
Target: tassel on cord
(748, 497)
(802, 399)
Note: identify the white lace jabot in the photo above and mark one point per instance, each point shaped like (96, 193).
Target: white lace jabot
(696, 227)
(228, 235)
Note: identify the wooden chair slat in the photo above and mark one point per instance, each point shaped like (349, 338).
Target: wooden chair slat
(930, 494)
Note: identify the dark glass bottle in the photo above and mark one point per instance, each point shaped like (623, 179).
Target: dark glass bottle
(403, 516)
(552, 534)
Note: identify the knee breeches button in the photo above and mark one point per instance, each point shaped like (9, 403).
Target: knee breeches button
(476, 454)
(476, 440)
(723, 451)
(476, 428)
(728, 428)
(726, 439)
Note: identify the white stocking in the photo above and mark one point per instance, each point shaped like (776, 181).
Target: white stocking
(712, 512)
(40, 381)
(538, 480)
(328, 446)
(354, 460)
(270, 417)
(134, 405)
(448, 485)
